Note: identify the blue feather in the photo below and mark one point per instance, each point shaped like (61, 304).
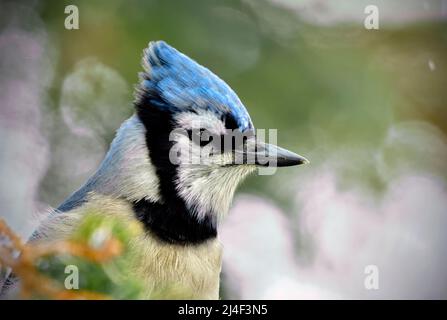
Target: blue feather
(173, 80)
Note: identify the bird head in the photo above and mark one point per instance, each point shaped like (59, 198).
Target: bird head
(199, 135)
(180, 157)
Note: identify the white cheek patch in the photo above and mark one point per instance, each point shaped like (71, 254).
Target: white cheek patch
(191, 152)
(204, 182)
(202, 120)
(186, 152)
(210, 189)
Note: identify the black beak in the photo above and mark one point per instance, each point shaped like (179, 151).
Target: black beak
(268, 155)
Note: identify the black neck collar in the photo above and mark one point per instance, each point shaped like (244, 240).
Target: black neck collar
(173, 224)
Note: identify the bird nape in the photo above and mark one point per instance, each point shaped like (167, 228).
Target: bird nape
(170, 168)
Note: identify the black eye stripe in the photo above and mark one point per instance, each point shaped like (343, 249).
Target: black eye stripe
(230, 123)
(197, 136)
(222, 143)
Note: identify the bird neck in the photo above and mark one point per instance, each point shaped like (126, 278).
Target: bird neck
(173, 224)
(129, 172)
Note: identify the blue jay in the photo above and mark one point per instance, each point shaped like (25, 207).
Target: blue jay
(179, 204)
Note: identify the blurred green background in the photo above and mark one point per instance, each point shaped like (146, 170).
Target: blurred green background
(321, 86)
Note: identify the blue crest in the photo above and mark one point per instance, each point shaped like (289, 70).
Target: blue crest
(174, 81)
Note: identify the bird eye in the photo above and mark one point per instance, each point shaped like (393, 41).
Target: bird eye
(197, 136)
(221, 144)
(232, 141)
